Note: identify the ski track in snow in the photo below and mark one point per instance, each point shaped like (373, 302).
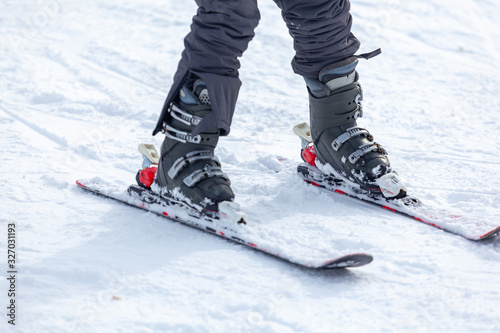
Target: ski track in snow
(83, 84)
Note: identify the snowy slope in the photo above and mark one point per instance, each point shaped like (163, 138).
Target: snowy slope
(83, 83)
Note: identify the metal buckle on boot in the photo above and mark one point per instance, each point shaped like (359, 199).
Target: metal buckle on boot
(199, 175)
(181, 136)
(350, 133)
(358, 113)
(183, 116)
(190, 158)
(359, 97)
(365, 149)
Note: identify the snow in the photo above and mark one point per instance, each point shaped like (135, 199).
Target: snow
(83, 83)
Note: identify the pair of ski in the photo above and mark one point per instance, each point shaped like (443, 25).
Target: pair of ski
(229, 222)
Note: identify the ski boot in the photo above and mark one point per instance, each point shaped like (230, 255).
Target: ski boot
(344, 150)
(188, 170)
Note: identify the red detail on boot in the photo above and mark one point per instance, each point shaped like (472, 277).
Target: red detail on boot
(146, 176)
(309, 155)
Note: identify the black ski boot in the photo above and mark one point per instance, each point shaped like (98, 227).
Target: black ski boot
(343, 149)
(188, 169)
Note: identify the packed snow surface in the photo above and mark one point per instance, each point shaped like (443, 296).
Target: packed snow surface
(82, 84)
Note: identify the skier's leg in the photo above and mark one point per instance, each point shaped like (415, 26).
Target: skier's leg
(220, 33)
(325, 50)
(200, 104)
(321, 31)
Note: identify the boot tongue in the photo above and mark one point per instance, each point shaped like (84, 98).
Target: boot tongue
(340, 82)
(339, 69)
(200, 90)
(195, 94)
(333, 77)
(340, 74)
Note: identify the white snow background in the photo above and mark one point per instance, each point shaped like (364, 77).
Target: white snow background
(83, 82)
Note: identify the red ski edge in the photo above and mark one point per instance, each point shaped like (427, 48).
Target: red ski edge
(318, 183)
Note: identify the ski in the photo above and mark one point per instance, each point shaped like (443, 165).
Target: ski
(217, 223)
(409, 206)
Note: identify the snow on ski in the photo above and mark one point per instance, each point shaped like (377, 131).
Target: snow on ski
(468, 227)
(239, 233)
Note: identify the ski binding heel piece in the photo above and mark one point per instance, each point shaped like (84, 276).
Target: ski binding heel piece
(149, 153)
(150, 160)
(303, 131)
(308, 152)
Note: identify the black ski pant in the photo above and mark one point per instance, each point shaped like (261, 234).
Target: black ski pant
(221, 31)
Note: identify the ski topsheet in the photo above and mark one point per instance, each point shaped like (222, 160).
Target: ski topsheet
(244, 234)
(468, 227)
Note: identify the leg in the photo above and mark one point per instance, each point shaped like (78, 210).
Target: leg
(325, 50)
(321, 31)
(201, 102)
(220, 33)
